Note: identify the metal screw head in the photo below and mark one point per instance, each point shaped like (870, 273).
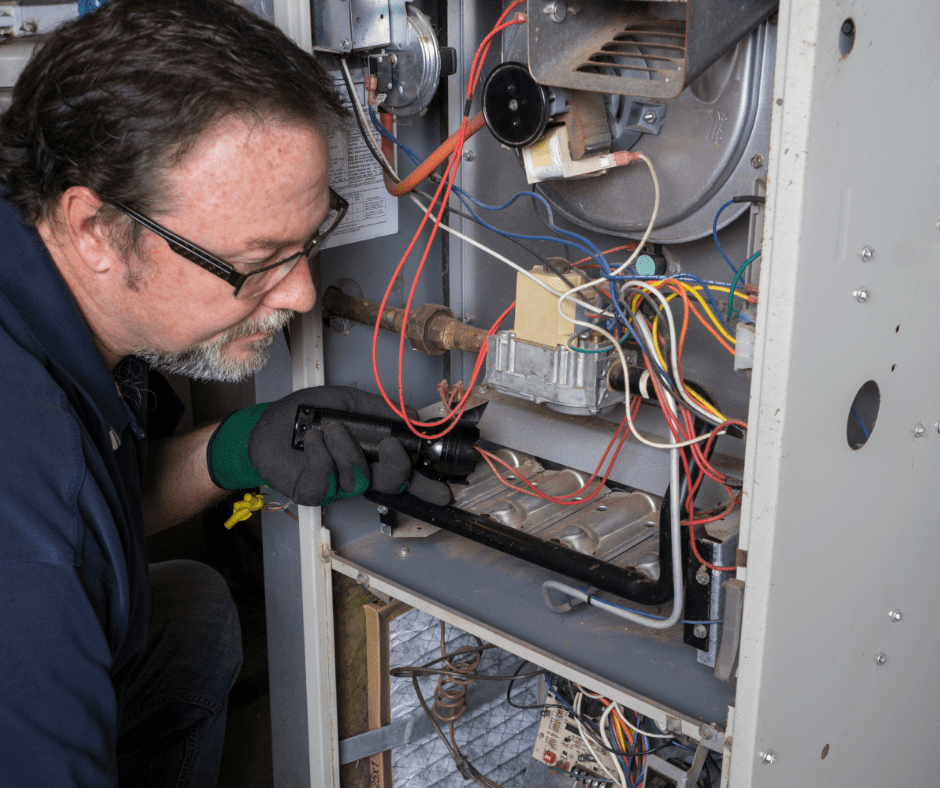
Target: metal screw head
(650, 116)
(867, 254)
(700, 630)
(362, 580)
(484, 389)
(345, 44)
(862, 294)
(469, 155)
(673, 725)
(757, 161)
(702, 577)
(881, 658)
(556, 10)
(705, 732)
(920, 431)
(468, 318)
(767, 756)
(895, 615)
(403, 551)
(383, 510)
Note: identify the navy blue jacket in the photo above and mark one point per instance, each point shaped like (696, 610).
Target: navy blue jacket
(74, 590)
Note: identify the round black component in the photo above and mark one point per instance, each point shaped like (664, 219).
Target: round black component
(515, 106)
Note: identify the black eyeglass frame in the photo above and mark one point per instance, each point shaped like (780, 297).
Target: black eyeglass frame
(219, 267)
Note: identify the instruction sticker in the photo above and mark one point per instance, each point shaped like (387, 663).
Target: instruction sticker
(355, 174)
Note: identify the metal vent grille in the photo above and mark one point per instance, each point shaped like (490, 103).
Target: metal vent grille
(644, 50)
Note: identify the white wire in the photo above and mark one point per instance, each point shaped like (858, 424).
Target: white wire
(625, 721)
(655, 292)
(587, 741)
(604, 736)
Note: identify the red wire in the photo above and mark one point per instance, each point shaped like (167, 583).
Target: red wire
(534, 491)
(446, 184)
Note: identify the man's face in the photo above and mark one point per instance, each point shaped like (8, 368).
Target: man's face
(250, 195)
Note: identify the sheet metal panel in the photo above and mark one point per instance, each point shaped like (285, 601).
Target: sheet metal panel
(838, 538)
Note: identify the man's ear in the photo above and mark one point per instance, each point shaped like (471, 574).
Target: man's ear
(83, 230)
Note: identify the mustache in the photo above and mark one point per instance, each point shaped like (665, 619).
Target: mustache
(267, 324)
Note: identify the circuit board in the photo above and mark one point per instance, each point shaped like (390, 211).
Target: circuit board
(559, 744)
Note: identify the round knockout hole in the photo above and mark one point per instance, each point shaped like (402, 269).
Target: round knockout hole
(825, 752)
(862, 415)
(846, 37)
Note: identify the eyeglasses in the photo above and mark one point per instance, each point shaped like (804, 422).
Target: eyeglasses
(252, 283)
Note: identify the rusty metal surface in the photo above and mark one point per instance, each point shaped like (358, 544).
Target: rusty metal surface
(431, 328)
(588, 130)
(649, 50)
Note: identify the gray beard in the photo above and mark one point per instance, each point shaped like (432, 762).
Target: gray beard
(206, 362)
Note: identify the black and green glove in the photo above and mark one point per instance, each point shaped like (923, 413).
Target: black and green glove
(253, 447)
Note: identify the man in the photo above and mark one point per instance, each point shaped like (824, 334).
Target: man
(139, 137)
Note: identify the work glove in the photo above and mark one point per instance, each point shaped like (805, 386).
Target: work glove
(252, 447)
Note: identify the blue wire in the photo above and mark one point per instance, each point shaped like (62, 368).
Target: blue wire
(860, 423)
(715, 235)
(589, 248)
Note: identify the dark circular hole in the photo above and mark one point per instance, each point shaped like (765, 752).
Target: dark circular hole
(825, 752)
(862, 415)
(896, 329)
(846, 37)
(894, 367)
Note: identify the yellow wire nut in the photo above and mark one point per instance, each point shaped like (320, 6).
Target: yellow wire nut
(244, 509)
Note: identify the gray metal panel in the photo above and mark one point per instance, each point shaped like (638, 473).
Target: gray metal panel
(284, 611)
(837, 537)
(504, 594)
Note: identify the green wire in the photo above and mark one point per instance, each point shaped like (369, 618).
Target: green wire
(734, 284)
(602, 350)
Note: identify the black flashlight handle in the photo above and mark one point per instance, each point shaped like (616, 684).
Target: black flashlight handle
(450, 458)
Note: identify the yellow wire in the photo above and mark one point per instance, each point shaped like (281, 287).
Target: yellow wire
(710, 408)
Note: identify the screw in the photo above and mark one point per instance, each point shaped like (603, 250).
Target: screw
(757, 161)
(650, 116)
(848, 27)
(326, 555)
(867, 254)
(702, 577)
(345, 45)
(484, 389)
(468, 318)
(383, 510)
(767, 756)
(919, 431)
(469, 155)
(403, 551)
(556, 10)
(673, 725)
(705, 732)
(699, 630)
(895, 615)
(862, 294)
(881, 658)
(362, 580)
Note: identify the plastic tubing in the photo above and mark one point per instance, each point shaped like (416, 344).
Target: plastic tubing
(431, 163)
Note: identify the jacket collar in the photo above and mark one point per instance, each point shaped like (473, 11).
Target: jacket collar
(39, 296)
